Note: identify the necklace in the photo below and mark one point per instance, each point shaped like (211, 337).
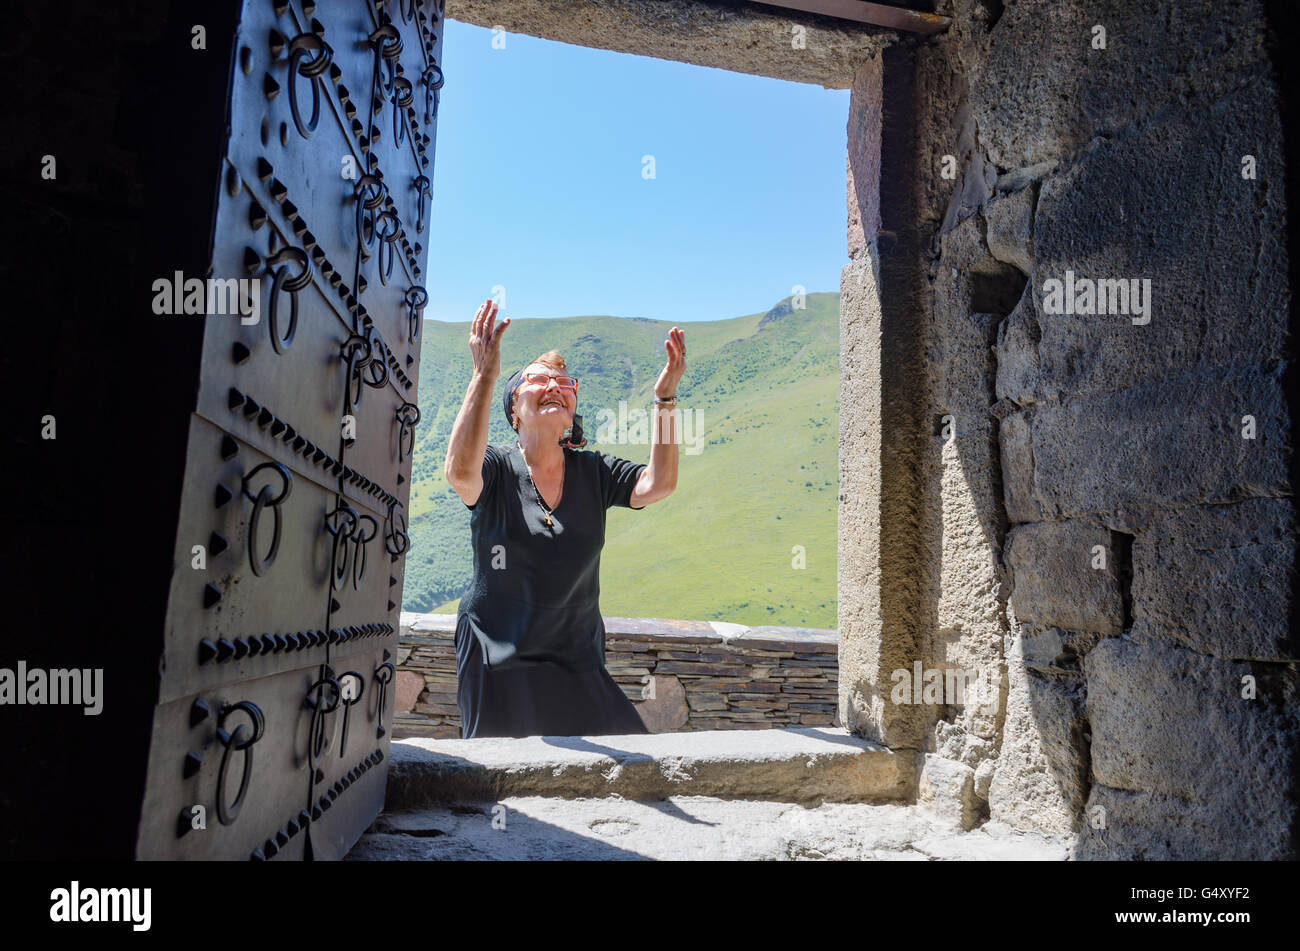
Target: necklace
(534, 485)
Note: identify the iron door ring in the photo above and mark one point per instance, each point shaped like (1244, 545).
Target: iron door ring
(301, 47)
(239, 741)
(260, 501)
(283, 282)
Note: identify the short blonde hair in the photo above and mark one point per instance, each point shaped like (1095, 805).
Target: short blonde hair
(552, 359)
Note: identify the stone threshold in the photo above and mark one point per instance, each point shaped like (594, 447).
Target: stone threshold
(804, 765)
(688, 828)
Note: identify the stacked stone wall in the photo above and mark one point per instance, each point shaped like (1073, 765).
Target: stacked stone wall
(681, 675)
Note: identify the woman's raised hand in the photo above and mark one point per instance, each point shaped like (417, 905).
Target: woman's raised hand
(666, 385)
(485, 341)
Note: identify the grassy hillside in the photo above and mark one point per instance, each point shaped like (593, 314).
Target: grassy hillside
(722, 546)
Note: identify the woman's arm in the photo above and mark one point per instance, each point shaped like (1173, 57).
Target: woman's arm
(469, 433)
(660, 477)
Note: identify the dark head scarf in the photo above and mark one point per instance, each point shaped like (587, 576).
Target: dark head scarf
(573, 441)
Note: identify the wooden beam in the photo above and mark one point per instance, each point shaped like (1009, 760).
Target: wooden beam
(876, 14)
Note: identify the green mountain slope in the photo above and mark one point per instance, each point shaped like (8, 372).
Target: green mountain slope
(724, 546)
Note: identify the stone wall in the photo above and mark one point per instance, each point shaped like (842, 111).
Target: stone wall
(682, 675)
(1095, 509)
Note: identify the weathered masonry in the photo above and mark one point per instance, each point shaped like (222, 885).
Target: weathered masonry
(1099, 505)
(1090, 504)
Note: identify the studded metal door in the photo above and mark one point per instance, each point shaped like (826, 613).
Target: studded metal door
(270, 736)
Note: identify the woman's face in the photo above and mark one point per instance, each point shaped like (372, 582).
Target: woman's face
(549, 405)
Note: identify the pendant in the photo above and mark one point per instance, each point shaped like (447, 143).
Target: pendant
(548, 521)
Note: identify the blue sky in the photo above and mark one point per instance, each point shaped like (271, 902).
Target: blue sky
(538, 184)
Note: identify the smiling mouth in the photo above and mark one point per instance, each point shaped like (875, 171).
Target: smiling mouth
(553, 403)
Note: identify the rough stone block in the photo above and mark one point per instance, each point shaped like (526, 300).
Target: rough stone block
(701, 670)
(1055, 581)
(1130, 826)
(438, 709)
(974, 184)
(864, 155)
(1168, 443)
(1040, 651)
(1010, 228)
(926, 83)
(1041, 774)
(947, 791)
(1018, 366)
(1167, 204)
(440, 696)
(1016, 447)
(953, 742)
(1040, 88)
(1056, 651)
(984, 778)
(1218, 579)
(706, 701)
(1171, 721)
(407, 691)
(967, 594)
(973, 291)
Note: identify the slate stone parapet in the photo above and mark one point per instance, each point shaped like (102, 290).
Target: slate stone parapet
(682, 675)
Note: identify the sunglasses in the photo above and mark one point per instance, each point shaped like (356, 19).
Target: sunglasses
(542, 379)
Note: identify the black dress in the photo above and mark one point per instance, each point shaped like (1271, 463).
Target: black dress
(530, 639)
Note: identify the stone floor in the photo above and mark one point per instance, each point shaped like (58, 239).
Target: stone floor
(686, 828)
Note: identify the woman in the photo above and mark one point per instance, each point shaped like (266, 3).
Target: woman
(530, 639)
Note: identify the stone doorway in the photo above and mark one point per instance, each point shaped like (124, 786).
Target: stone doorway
(760, 40)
